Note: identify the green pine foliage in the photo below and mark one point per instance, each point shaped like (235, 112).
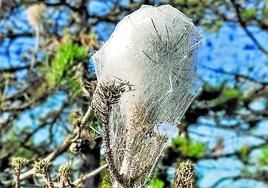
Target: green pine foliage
(188, 147)
(227, 94)
(156, 183)
(68, 55)
(106, 181)
(243, 153)
(263, 158)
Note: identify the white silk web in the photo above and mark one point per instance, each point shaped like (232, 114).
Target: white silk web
(154, 50)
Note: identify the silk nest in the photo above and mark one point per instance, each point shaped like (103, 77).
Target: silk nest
(154, 50)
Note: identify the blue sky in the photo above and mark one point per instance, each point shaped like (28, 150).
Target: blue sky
(228, 49)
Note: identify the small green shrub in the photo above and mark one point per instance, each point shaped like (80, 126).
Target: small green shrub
(263, 158)
(227, 94)
(156, 183)
(188, 148)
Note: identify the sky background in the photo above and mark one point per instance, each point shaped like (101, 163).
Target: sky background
(228, 49)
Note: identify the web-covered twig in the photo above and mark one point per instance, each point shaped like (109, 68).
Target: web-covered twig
(184, 175)
(106, 95)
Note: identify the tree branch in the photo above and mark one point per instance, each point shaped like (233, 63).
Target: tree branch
(243, 24)
(90, 174)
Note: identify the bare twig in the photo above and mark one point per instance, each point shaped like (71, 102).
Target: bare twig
(86, 176)
(243, 24)
(64, 146)
(246, 77)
